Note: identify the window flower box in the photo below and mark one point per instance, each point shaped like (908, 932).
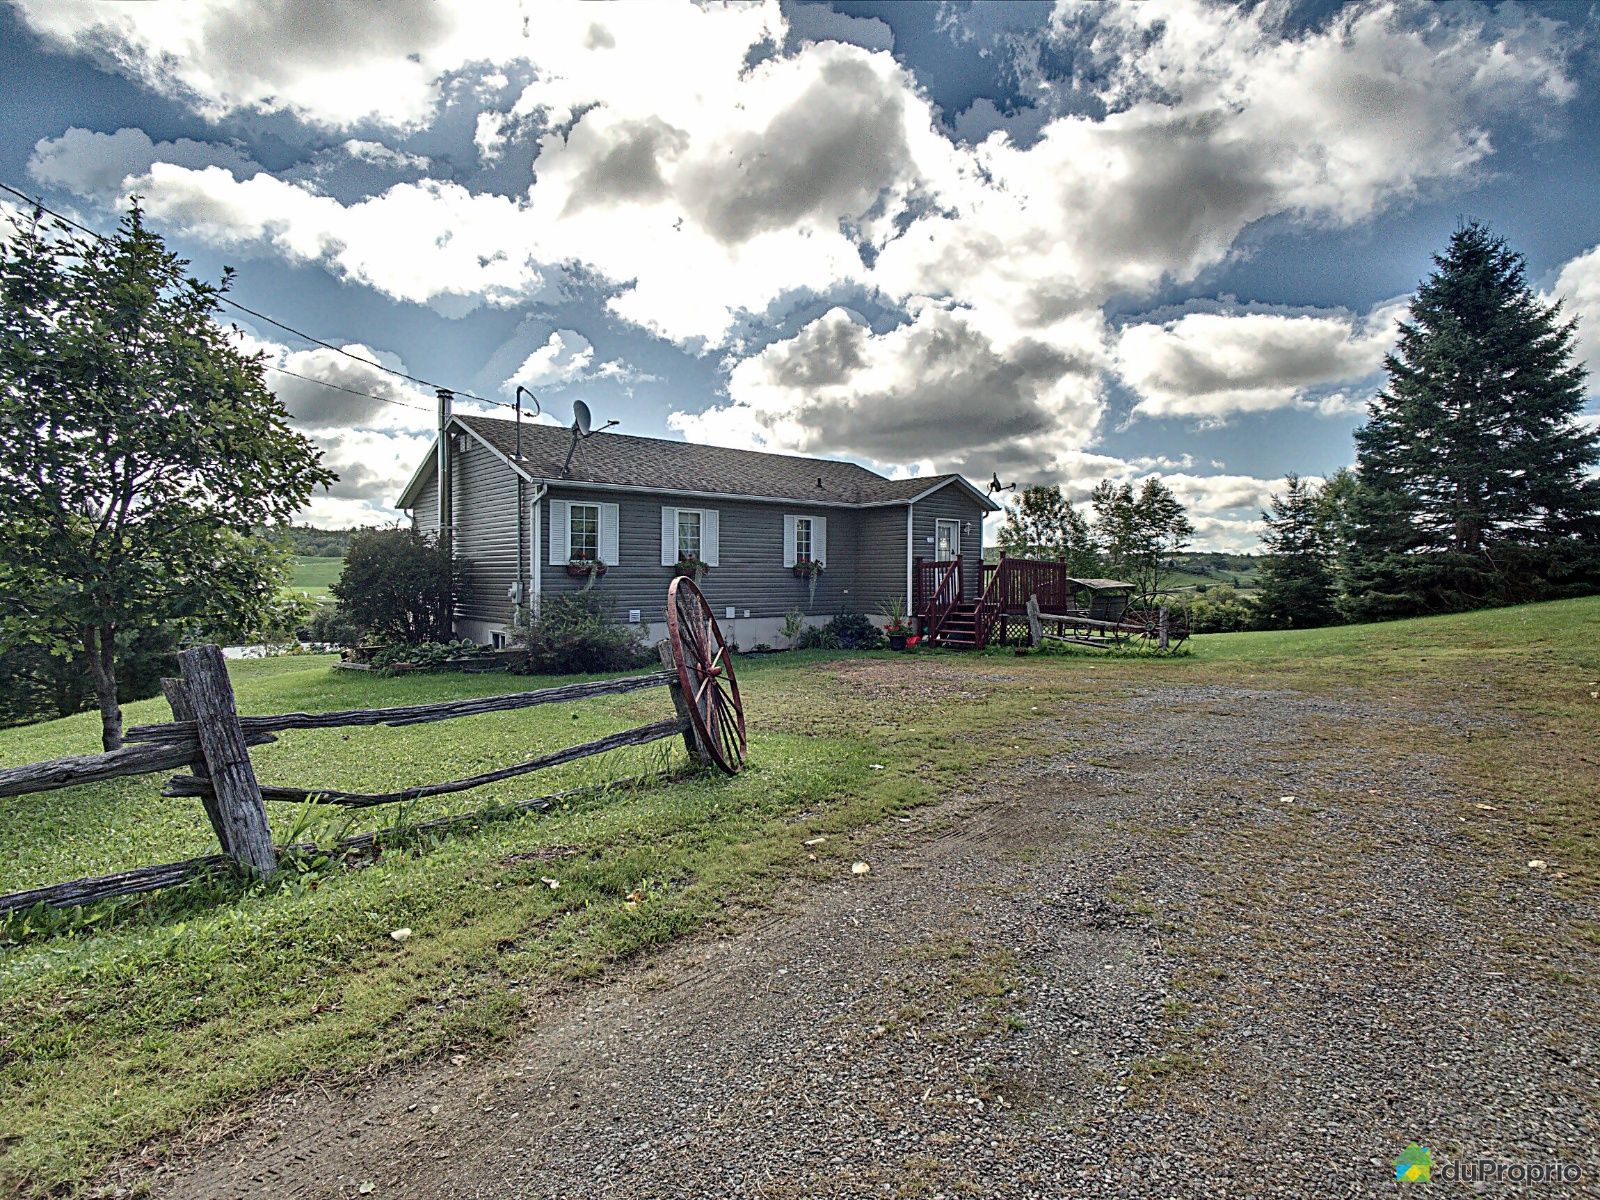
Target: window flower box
(691, 566)
(579, 567)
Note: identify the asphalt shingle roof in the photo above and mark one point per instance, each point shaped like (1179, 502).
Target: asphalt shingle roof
(623, 460)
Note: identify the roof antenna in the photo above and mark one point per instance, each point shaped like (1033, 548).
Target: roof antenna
(996, 486)
(582, 427)
(536, 411)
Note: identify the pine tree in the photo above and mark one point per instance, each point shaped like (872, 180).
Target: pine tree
(1475, 485)
(1044, 524)
(1297, 578)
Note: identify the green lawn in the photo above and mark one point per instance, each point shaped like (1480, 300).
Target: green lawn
(314, 576)
(115, 1037)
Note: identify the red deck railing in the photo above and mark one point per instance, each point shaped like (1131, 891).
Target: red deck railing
(988, 608)
(1011, 581)
(925, 576)
(943, 596)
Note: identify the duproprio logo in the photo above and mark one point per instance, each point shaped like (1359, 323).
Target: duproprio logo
(1415, 1164)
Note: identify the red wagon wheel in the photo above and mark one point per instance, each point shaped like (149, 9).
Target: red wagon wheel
(705, 671)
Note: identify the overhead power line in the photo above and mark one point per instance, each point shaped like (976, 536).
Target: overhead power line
(39, 206)
(339, 387)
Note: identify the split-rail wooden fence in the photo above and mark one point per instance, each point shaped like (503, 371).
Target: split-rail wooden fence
(209, 737)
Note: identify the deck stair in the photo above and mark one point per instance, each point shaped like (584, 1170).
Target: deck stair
(960, 629)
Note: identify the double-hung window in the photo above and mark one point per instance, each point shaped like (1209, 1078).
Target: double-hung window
(583, 526)
(689, 530)
(802, 539)
(805, 540)
(583, 531)
(689, 533)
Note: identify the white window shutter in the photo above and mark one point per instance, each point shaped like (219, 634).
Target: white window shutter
(669, 536)
(788, 540)
(560, 534)
(609, 515)
(819, 540)
(708, 537)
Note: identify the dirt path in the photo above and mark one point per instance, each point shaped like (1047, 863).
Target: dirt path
(1124, 972)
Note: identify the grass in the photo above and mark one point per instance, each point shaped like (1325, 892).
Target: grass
(119, 1036)
(314, 576)
(142, 1027)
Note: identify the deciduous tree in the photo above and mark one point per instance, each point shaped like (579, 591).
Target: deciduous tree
(141, 449)
(1139, 531)
(1044, 524)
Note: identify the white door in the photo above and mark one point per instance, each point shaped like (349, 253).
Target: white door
(946, 539)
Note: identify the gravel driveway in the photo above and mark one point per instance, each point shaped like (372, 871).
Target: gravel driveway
(1221, 952)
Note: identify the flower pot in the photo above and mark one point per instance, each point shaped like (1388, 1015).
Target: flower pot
(897, 641)
(694, 571)
(802, 572)
(578, 570)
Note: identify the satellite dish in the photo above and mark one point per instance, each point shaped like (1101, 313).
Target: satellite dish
(581, 420)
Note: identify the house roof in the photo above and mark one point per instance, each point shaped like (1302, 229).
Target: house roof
(621, 460)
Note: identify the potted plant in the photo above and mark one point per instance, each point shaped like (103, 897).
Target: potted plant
(895, 625)
(579, 567)
(809, 569)
(690, 565)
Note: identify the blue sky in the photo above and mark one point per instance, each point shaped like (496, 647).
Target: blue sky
(1060, 242)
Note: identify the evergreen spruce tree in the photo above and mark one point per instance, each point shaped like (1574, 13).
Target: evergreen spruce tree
(1474, 473)
(1297, 578)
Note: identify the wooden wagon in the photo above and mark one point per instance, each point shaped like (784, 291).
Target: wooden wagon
(1099, 613)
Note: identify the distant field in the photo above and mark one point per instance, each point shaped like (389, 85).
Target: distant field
(1244, 581)
(314, 576)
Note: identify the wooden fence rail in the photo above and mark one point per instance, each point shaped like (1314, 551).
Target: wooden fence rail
(94, 768)
(151, 879)
(209, 737)
(415, 714)
(191, 785)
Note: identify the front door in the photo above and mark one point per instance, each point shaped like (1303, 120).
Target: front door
(946, 540)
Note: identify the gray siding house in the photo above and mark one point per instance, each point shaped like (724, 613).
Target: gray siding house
(518, 519)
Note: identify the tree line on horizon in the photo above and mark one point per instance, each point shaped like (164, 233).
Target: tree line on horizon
(1474, 483)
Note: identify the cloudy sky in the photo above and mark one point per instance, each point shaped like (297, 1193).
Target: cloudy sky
(1060, 242)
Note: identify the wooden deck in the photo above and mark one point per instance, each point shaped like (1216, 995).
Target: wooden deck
(1094, 612)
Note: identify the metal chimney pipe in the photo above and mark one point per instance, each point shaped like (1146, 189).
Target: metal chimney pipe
(446, 505)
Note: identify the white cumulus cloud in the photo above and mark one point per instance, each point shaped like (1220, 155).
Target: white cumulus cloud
(1210, 366)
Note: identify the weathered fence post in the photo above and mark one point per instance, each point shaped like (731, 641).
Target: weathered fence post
(1161, 628)
(241, 815)
(1035, 626)
(178, 699)
(680, 702)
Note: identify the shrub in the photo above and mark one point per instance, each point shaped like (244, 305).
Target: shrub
(36, 685)
(847, 631)
(793, 622)
(330, 625)
(576, 634)
(398, 585)
(815, 637)
(1221, 610)
(426, 656)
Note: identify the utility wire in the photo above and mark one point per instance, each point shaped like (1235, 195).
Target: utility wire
(339, 387)
(40, 206)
